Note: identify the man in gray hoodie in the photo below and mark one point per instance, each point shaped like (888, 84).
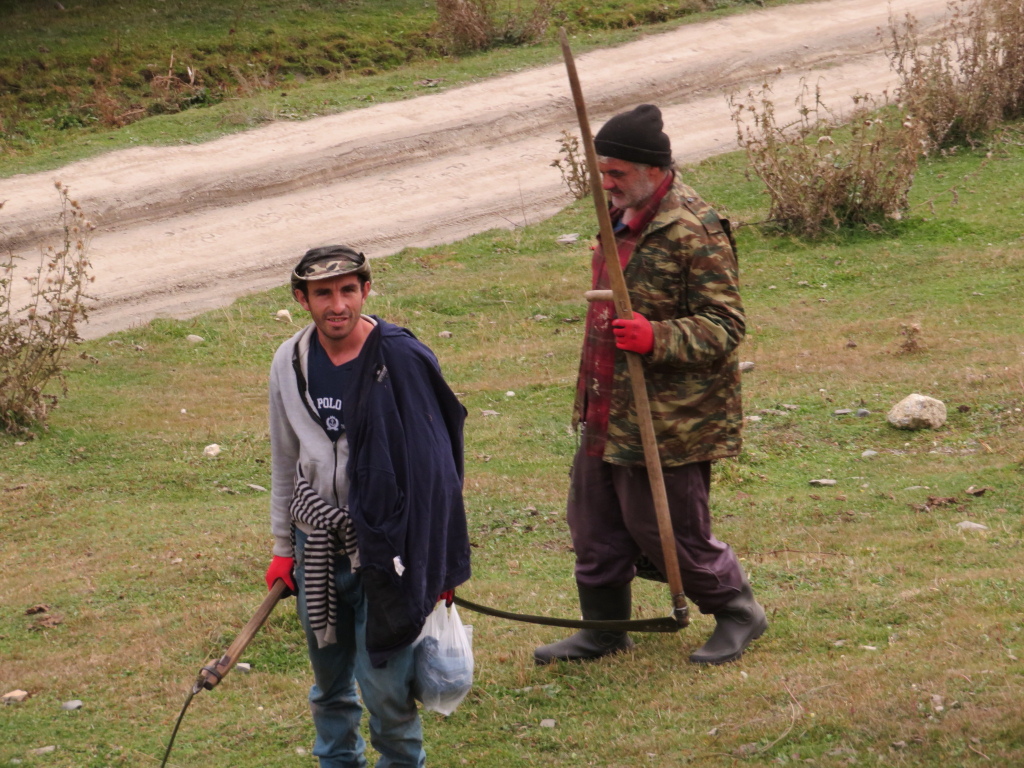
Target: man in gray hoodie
(368, 527)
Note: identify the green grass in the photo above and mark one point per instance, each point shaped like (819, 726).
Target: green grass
(111, 74)
(895, 637)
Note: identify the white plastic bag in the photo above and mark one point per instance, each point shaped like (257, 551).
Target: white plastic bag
(443, 660)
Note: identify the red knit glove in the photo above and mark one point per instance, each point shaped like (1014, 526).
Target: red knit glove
(635, 335)
(448, 597)
(281, 568)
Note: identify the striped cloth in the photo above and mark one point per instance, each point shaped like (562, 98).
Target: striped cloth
(333, 534)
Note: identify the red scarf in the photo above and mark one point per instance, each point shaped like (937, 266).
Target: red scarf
(597, 367)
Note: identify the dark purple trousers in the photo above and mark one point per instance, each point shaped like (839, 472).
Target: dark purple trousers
(612, 520)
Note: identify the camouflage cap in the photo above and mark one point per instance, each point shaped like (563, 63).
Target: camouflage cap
(329, 261)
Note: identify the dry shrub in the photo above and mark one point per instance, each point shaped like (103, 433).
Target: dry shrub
(912, 341)
(971, 78)
(573, 166)
(254, 82)
(34, 339)
(476, 25)
(177, 91)
(823, 172)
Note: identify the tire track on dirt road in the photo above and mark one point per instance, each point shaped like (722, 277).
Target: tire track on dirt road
(187, 228)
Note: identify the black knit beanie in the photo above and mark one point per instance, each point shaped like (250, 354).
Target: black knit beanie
(636, 137)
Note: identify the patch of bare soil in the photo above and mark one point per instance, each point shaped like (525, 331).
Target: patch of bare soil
(186, 229)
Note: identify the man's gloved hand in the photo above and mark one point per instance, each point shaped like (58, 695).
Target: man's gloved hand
(448, 597)
(634, 335)
(282, 568)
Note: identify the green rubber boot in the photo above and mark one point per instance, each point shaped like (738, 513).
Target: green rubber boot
(596, 604)
(737, 625)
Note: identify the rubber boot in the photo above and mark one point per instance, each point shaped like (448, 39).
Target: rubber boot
(738, 624)
(596, 604)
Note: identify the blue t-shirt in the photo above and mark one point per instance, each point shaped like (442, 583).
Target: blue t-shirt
(326, 383)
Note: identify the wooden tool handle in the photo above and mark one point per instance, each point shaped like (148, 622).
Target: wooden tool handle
(216, 671)
(634, 363)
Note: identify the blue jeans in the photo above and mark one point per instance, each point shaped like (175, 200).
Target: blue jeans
(395, 729)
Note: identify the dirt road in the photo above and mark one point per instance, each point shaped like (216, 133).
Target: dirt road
(185, 229)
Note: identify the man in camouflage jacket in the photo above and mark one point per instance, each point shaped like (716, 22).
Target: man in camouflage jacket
(680, 267)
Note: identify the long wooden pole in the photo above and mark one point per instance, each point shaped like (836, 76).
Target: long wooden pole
(214, 672)
(623, 309)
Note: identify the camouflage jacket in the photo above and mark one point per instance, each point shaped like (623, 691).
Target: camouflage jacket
(683, 277)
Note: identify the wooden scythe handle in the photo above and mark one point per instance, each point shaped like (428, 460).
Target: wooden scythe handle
(214, 672)
(636, 371)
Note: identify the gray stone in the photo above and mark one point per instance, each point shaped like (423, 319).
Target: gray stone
(72, 705)
(824, 482)
(746, 366)
(868, 454)
(862, 412)
(917, 412)
(842, 412)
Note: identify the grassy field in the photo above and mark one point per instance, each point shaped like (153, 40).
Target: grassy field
(81, 78)
(895, 635)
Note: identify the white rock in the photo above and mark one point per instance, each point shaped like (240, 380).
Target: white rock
(43, 750)
(510, 393)
(753, 418)
(828, 481)
(917, 412)
(14, 697)
(193, 339)
(284, 315)
(488, 413)
(72, 705)
(967, 525)
(547, 723)
(445, 334)
(211, 450)
(259, 488)
(243, 666)
(868, 454)
(568, 239)
(746, 365)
